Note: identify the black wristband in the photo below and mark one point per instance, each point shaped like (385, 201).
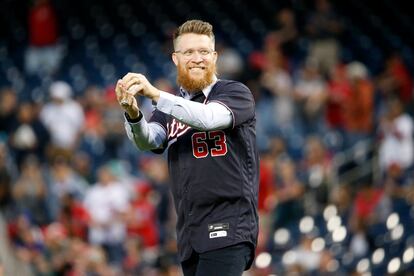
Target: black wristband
(136, 120)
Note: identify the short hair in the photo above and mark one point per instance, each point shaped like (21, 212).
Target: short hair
(194, 27)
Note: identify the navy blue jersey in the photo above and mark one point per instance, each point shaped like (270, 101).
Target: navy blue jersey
(215, 174)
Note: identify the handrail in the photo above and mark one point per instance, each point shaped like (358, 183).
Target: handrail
(360, 154)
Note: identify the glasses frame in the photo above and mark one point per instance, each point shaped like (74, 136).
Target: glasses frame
(204, 52)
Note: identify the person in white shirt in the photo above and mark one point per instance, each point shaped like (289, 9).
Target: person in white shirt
(63, 117)
(396, 132)
(107, 202)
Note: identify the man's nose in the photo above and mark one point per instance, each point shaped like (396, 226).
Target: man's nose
(197, 57)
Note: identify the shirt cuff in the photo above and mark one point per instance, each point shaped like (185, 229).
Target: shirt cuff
(166, 102)
(133, 121)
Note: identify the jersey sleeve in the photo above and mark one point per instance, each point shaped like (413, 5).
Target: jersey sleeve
(161, 119)
(236, 97)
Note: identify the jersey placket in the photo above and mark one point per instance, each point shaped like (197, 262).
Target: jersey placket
(200, 98)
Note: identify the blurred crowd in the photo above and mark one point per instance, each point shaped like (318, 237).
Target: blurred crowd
(79, 199)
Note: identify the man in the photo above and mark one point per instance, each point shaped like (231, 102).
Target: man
(209, 130)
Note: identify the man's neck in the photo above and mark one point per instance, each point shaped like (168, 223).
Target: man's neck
(206, 90)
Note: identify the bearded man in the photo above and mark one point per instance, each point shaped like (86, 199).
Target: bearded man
(208, 128)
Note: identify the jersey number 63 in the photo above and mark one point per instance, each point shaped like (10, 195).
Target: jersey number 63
(201, 146)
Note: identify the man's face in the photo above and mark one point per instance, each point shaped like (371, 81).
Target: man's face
(195, 59)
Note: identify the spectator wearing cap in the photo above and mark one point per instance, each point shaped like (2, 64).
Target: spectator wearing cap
(63, 117)
(359, 106)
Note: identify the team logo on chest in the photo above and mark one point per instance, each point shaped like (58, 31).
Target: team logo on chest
(176, 129)
(203, 143)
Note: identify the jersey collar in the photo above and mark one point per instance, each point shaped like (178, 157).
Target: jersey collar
(206, 91)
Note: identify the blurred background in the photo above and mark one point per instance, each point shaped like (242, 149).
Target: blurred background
(333, 84)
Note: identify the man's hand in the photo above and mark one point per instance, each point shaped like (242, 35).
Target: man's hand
(126, 100)
(138, 84)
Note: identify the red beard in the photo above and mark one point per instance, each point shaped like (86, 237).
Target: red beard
(193, 85)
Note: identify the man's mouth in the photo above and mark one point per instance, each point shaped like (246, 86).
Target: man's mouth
(197, 69)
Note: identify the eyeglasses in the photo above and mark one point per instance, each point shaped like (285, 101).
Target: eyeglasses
(190, 52)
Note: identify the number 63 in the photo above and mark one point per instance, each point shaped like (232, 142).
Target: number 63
(200, 145)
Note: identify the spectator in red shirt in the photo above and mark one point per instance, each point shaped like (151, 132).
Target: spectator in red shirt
(359, 108)
(142, 218)
(396, 79)
(339, 91)
(74, 217)
(42, 24)
(367, 209)
(44, 54)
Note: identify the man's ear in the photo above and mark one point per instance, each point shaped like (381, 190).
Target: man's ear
(174, 58)
(215, 55)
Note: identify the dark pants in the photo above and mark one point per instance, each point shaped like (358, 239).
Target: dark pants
(114, 252)
(228, 261)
